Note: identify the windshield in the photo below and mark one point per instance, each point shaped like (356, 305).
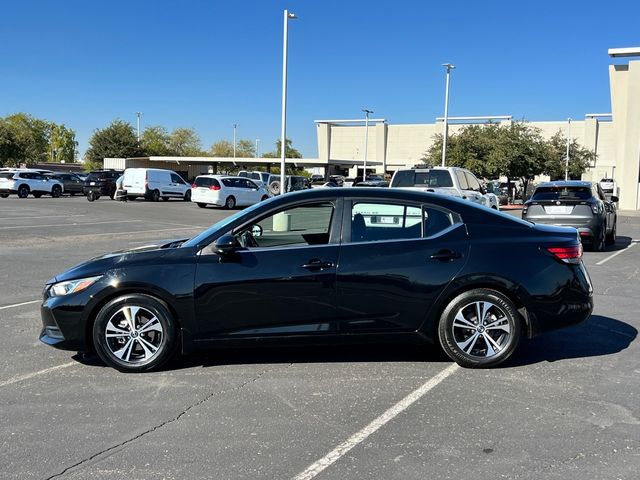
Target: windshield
(562, 193)
(222, 224)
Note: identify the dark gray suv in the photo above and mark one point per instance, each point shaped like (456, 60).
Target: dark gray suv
(577, 204)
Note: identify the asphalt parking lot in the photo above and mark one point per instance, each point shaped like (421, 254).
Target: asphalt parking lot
(566, 406)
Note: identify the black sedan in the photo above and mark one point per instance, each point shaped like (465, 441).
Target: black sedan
(577, 204)
(328, 265)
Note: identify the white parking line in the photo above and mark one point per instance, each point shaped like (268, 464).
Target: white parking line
(19, 304)
(633, 242)
(70, 224)
(335, 454)
(20, 378)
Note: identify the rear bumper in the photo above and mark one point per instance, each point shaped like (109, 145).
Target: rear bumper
(588, 229)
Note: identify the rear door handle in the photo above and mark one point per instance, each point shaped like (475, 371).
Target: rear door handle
(445, 255)
(316, 264)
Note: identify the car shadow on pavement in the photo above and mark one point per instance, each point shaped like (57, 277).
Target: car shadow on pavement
(595, 337)
(621, 243)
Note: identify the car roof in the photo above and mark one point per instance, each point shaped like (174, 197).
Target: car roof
(566, 183)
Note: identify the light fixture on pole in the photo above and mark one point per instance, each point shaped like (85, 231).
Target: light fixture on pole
(445, 131)
(235, 126)
(366, 141)
(566, 162)
(283, 137)
(138, 115)
(257, 140)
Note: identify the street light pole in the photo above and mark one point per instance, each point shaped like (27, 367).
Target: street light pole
(445, 132)
(566, 164)
(283, 129)
(235, 125)
(138, 114)
(366, 141)
(257, 140)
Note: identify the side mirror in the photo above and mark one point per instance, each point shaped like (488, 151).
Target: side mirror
(225, 245)
(614, 199)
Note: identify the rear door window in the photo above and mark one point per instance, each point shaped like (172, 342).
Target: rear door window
(462, 180)
(374, 222)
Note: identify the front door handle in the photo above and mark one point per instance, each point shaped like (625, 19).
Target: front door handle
(316, 264)
(445, 255)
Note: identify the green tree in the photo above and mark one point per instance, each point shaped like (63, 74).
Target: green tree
(155, 141)
(185, 142)
(31, 136)
(11, 151)
(118, 140)
(580, 158)
(290, 152)
(222, 148)
(62, 144)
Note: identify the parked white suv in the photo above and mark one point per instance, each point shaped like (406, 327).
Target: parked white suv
(25, 181)
(226, 191)
(155, 184)
(453, 181)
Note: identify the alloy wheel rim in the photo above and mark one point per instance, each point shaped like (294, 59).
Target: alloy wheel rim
(134, 334)
(481, 329)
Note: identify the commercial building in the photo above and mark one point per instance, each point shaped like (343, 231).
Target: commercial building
(614, 137)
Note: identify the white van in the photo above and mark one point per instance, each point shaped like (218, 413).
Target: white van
(155, 184)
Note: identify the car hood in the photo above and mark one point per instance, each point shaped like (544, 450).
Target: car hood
(100, 264)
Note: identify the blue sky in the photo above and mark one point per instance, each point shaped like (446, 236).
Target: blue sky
(209, 64)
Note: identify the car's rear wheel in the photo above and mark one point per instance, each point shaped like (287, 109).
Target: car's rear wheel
(202, 205)
(599, 242)
(611, 237)
(187, 196)
(4, 195)
(23, 191)
(480, 328)
(230, 203)
(56, 191)
(135, 333)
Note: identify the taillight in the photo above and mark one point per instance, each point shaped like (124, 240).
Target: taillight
(214, 187)
(594, 208)
(570, 254)
(194, 186)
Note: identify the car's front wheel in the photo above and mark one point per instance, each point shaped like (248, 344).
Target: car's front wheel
(187, 196)
(135, 333)
(611, 237)
(480, 328)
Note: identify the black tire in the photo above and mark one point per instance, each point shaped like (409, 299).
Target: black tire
(23, 191)
(202, 205)
(230, 203)
(155, 196)
(187, 196)
(56, 191)
(459, 328)
(599, 243)
(4, 195)
(611, 237)
(112, 193)
(124, 349)
(37, 194)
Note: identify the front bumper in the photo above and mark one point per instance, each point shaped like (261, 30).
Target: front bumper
(64, 321)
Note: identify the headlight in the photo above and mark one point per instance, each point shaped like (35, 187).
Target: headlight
(72, 286)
